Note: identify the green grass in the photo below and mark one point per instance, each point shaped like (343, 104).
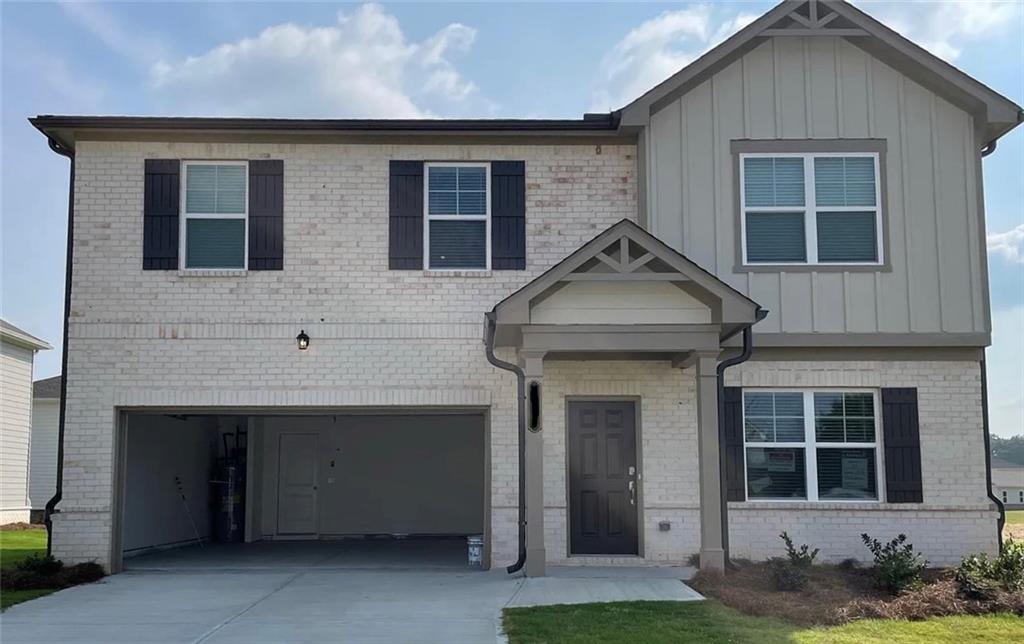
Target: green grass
(713, 623)
(1015, 517)
(16, 545)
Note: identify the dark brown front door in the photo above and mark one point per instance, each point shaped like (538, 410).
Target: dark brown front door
(602, 478)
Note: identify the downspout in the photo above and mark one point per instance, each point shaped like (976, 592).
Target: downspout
(521, 412)
(1001, 522)
(988, 149)
(748, 347)
(51, 505)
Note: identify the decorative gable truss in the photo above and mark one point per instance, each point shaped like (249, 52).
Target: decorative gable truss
(813, 18)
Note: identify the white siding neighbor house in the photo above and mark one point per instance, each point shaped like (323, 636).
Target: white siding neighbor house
(17, 353)
(42, 472)
(753, 300)
(1008, 483)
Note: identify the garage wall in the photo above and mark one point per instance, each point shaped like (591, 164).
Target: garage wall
(388, 474)
(160, 448)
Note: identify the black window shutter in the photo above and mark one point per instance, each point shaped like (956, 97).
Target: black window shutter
(161, 194)
(266, 215)
(732, 443)
(508, 215)
(405, 216)
(901, 438)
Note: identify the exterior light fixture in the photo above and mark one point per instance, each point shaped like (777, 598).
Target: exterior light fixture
(303, 340)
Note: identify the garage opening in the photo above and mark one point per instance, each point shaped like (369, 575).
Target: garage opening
(327, 490)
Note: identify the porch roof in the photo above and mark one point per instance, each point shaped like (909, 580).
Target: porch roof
(658, 301)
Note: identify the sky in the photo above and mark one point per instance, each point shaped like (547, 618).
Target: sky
(407, 60)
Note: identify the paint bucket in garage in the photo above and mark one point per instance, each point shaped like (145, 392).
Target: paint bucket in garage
(475, 544)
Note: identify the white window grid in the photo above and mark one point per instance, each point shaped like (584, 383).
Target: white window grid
(810, 208)
(185, 215)
(427, 217)
(810, 446)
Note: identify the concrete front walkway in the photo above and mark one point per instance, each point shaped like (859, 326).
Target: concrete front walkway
(315, 602)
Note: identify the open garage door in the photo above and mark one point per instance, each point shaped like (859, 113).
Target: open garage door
(189, 478)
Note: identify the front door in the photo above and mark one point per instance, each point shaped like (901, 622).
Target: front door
(296, 484)
(602, 478)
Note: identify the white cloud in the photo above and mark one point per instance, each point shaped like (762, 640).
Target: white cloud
(658, 48)
(363, 66)
(1009, 245)
(944, 28)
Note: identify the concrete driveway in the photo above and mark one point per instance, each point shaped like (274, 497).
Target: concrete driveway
(301, 603)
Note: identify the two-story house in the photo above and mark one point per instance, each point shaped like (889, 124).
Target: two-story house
(753, 300)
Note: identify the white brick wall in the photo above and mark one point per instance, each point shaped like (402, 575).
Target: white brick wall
(956, 516)
(378, 337)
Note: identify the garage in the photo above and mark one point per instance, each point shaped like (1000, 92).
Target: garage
(333, 488)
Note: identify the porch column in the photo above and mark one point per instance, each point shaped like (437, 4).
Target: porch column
(536, 557)
(712, 552)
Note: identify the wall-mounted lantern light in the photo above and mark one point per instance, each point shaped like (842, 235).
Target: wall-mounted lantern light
(303, 340)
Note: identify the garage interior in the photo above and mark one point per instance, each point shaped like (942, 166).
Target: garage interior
(345, 489)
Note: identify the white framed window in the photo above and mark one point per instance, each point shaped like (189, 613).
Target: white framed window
(812, 445)
(215, 215)
(457, 216)
(820, 208)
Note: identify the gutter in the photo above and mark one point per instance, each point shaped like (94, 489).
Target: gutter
(69, 257)
(748, 348)
(1001, 522)
(521, 412)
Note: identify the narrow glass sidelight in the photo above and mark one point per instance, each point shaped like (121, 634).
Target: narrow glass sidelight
(533, 402)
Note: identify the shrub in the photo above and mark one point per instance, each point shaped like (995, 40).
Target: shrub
(37, 572)
(979, 577)
(41, 565)
(792, 573)
(897, 566)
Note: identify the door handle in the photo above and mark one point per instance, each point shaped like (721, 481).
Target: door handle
(632, 492)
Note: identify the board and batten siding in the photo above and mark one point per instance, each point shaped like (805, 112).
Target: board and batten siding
(15, 429)
(827, 88)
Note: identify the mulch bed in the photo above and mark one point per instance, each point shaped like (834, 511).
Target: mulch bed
(20, 526)
(840, 594)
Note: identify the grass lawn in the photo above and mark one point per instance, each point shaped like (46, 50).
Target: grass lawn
(16, 545)
(713, 623)
(1015, 517)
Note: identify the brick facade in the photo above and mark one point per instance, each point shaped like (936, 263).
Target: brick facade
(384, 338)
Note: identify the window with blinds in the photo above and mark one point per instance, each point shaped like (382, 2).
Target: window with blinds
(811, 445)
(216, 213)
(810, 208)
(457, 216)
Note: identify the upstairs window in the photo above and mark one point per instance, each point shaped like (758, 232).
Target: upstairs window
(457, 231)
(810, 208)
(215, 221)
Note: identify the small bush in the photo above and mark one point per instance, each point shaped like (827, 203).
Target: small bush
(38, 572)
(793, 572)
(849, 564)
(978, 577)
(897, 566)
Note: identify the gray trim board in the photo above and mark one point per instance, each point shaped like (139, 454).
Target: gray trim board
(873, 354)
(811, 146)
(967, 339)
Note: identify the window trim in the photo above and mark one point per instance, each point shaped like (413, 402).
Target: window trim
(186, 215)
(427, 217)
(811, 444)
(810, 208)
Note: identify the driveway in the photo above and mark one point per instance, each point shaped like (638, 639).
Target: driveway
(315, 605)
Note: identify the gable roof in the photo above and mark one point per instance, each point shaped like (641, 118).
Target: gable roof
(735, 309)
(46, 388)
(14, 335)
(837, 18)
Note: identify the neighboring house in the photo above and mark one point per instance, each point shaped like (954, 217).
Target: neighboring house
(1008, 483)
(17, 354)
(331, 288)
(42, 473)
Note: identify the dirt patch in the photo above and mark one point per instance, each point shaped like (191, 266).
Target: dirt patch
(840, 594)
(20, 526)
(1014, 531)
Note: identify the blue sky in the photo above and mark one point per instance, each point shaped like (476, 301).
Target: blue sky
(480, 59)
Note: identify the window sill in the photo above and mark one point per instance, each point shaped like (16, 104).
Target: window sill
(212, 272)
(812, 268)
(459, 273)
